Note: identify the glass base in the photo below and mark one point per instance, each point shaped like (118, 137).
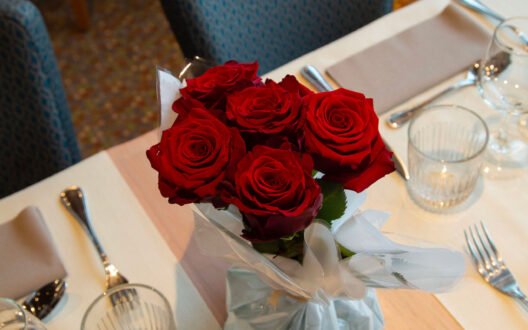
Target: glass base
(506, 158)
(523, 127)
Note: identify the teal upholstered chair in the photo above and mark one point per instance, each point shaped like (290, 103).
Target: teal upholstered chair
(272, 31)
(36, 133)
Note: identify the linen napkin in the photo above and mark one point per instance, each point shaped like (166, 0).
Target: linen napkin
(414, 60)
(28, 257)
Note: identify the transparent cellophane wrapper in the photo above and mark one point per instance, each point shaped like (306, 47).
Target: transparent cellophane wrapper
(325, 291)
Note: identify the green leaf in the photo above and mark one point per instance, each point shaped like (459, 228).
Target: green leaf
(291, 247)
(334, 201)
(344, 251)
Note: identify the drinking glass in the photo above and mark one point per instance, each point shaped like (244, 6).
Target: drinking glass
(14, 317)
(194, 67)
(445, 148)
(504, 87)
(167, 84)
(138, 307)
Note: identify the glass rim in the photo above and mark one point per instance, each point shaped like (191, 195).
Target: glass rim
(501, 44)
(18, 307)
(456, 107)
(120, 287)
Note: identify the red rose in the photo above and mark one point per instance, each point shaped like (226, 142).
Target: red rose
(212, 87)
(293, 85)
(272, 109)
(194, 156)
(275, 192)
(342, 135)
(269, 109)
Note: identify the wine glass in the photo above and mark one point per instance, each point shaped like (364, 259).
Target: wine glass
(503, 84)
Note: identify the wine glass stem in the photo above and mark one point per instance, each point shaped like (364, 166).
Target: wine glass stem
(502, 138)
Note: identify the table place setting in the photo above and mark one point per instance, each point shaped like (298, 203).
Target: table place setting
(420, 57)
(268, 203)
(129, 237)
(495, 201)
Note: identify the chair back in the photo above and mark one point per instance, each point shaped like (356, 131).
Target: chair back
(273, 32)
(37, 137)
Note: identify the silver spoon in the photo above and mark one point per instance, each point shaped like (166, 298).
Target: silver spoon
(41, 302)
(74, 200)
(398, 119)
(320, 83)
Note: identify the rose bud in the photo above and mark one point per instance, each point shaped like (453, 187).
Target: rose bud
(212, 87)
(266, 113)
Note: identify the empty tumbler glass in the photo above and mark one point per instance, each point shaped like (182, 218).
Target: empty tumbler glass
(129, 306)
(445, 148)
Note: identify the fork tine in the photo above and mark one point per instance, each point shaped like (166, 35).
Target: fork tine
(490, 242)
(485, 261)
(491, 258)
(471, 249)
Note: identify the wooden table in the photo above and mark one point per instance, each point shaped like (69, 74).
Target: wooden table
(403, 309)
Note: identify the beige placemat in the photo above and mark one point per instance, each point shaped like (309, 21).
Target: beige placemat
(28, 255)
(414, 60)
(128, 236)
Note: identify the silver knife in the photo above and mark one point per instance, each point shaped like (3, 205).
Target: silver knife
(320, 83)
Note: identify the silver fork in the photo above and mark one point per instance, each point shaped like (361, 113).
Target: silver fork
(74, 201)
(490, 264)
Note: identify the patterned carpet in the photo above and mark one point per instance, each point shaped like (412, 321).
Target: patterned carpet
(109, 71)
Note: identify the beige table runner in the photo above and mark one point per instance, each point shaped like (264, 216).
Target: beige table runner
(402, 308)
(414, 60)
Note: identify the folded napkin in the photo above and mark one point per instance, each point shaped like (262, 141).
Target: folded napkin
(28, 256)
(414, 60)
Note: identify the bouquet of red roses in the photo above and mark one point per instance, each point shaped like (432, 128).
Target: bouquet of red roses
(257, 144)
(276, 164)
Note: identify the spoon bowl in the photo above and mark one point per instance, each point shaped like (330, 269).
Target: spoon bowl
(398, 119)
(41, 302)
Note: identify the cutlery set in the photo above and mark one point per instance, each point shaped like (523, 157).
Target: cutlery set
(42, 302)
